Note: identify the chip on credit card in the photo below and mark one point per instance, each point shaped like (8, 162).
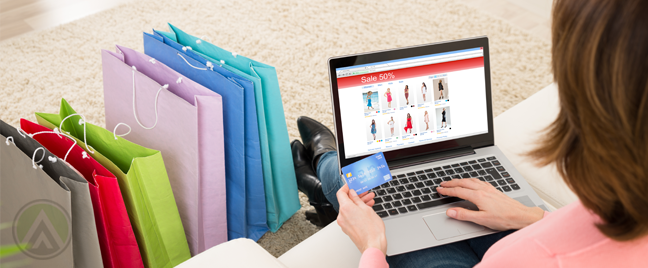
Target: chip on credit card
(367, 173)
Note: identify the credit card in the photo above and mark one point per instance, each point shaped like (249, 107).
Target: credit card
(367, 173)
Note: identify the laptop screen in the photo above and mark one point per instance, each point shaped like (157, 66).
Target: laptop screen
(396, 104)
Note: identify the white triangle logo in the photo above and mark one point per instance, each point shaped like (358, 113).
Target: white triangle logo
(42, 234)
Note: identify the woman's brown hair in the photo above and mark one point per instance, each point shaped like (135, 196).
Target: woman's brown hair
(599, 141)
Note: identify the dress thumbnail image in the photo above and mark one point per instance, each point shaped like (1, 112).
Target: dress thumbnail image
(425, 124)
(371, 101)
(373, 127)
(443, 118)
(408, 95)
(388, 98)
(423, 93)
(392, 126)
(441, 88)
(409, 122)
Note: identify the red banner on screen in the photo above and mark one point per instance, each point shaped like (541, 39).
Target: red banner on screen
(400, 74)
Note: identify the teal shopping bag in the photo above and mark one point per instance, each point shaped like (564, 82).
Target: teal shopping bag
(282, 199)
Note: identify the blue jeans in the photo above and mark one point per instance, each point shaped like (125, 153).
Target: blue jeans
(465, 253)
(329, 174)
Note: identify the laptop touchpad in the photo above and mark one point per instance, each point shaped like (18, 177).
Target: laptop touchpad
(443, 227)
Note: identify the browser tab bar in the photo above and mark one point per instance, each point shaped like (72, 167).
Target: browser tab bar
(410, 62)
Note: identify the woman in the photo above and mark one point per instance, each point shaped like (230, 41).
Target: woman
(424, 90)
(407, 94)
(426, 119)
(599, 64)
(373, 128)
(389, 98)
(441, 88)
(391, 125)
(369, 106)
(599, 61)
(409, 123)
(443, 119)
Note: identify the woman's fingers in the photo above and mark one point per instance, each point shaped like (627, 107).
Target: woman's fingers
(343, 195)
(463, 193)
(463, 214)
(368, 196)
(355, 198)
(473, 184)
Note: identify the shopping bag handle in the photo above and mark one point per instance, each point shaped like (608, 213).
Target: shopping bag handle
(59, 133)
(82, 121)
(115, 130)
(157, 96)
(198, 41)
(204, 37)
(10, 138)
(34, 156)
(209, 65)
(34, 163)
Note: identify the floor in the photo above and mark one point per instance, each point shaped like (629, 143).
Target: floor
(534, 16)
(18, 17)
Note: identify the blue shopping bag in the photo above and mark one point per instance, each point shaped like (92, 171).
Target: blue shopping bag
(246, 209)
(282, 198)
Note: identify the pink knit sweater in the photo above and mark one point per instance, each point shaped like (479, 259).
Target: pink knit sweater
(564, 238)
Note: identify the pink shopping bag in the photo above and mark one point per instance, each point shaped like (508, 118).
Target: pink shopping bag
(184, 120)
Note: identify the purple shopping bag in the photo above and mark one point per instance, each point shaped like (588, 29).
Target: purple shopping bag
(184, 120)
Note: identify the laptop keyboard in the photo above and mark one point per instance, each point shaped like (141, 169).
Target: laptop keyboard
(417, 190)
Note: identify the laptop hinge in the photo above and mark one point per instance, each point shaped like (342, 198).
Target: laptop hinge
(428, 158)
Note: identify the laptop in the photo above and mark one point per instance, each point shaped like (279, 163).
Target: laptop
(428, 109)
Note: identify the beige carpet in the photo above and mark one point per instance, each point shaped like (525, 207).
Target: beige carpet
(297, 37)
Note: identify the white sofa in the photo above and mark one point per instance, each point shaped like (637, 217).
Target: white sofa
(516, 131)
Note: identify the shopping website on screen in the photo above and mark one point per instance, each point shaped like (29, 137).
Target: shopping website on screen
(410, 102)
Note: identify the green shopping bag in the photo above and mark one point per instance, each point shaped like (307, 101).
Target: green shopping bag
(282, 200)
(143, 182)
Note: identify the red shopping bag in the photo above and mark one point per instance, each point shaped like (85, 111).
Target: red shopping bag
(116, 238)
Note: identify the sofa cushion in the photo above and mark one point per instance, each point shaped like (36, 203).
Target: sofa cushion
(242, 253)
(329, 247)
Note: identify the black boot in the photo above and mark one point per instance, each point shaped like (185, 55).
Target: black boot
(322, 216)
(307, 181)
(317, 138)
(309, 184)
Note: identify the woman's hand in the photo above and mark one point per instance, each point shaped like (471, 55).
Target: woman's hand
(496, 210)
(367, 198)
(359, 221)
